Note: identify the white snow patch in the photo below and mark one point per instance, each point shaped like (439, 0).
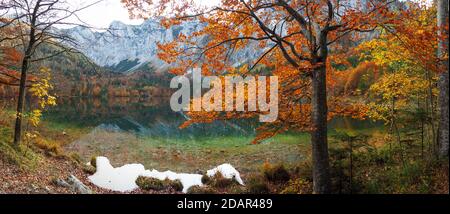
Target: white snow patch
(123, 178)
(120, 179)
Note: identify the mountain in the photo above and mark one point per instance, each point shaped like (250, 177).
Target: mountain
(125, 48)
(74, 74)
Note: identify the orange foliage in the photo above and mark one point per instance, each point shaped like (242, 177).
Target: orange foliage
(10, 61)
(354, 75)
(290, 40)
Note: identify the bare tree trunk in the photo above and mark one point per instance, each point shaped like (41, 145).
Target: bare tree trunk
(443, 135)
(321, 171)
(23, 76)
(21, 101)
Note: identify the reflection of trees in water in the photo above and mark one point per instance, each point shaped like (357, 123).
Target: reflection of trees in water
(147, 116)
(92, 108)
(155, 116)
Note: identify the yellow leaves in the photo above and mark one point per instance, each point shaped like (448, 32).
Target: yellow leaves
(378, 112)
(35, 117)
(31, 135)
(41, 90)
(393, 92)
(420, 32)
(406, 52)
(381, 51)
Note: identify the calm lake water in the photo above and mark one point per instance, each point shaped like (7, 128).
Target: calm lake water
(154, 117)
(150, 117)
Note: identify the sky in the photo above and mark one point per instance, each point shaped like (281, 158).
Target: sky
(102, 14)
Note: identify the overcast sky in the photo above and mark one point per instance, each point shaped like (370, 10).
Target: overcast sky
(102, 14)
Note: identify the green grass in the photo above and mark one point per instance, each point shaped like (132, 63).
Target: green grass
(65, 127)
(204, 152)
(224, 142)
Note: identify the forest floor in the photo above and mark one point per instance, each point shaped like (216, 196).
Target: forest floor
(41, 178)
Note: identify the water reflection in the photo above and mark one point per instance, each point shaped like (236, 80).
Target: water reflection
(141, 116)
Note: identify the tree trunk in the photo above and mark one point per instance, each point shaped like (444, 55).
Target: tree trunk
(443, 135)
(21, 101)
(321, 172)
(23, 79)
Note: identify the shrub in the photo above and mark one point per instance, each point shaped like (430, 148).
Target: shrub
(147, 183)
(89, 169)
(257, 185)
(175, 185)
(201, 190)
(48, 146)
(219, 181)
(276, 174)
(94, 161)
(75, 157)
(206, 179)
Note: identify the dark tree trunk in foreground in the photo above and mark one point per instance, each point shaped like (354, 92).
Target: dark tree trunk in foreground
(321, 171)
(443, 135)
(23, 76)
(21, 102)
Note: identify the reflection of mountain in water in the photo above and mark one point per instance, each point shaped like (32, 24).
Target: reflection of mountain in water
(146, 117)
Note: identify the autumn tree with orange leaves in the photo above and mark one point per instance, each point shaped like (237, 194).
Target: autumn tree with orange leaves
(300, 41)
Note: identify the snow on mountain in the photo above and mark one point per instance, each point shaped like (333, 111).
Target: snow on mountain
(127, 45)
(125, 48)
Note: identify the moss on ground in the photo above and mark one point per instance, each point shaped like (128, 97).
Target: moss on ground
(147, 183)
(22, 156)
